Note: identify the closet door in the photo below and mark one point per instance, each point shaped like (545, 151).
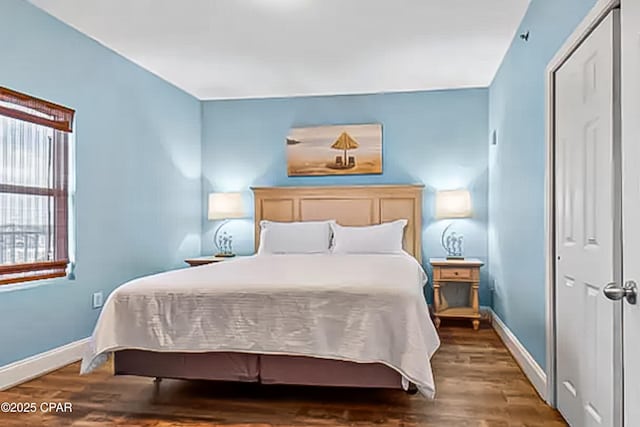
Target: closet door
(588, 228)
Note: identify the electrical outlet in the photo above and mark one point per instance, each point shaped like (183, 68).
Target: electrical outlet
(98, 299)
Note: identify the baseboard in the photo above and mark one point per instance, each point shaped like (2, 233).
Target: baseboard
(27, 369)
(529, 366)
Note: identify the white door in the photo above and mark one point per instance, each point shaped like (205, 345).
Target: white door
(587, 218)
(631, 203)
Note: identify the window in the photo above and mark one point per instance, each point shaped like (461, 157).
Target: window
(34, 190)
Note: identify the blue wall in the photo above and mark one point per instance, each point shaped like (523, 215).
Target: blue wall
(517, 166)
(138, 174)
(437, 138)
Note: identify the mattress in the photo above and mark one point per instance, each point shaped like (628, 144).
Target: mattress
(355, 308)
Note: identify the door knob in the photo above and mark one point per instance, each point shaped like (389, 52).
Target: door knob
(616, 293)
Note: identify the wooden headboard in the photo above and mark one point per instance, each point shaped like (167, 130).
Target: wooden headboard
(348, 205)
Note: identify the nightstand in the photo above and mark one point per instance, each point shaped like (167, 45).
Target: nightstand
(193, 262)
(446, 271)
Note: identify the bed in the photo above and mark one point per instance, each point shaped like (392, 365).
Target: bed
(357, 320)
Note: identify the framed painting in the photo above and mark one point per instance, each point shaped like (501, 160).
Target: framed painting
(335, 150)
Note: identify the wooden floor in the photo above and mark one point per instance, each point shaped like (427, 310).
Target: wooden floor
(477, 382)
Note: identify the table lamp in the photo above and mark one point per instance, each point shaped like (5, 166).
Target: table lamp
(225, 206)
(452, 204)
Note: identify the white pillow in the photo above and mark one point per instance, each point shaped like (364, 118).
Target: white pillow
(384, 238)
(311, 237)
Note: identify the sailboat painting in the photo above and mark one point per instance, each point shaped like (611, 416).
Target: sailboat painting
(335, 150)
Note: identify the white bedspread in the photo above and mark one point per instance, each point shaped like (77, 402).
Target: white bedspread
(360, 308)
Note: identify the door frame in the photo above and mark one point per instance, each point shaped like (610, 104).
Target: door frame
(598, 13)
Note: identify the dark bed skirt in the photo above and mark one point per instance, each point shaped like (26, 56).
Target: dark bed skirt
(266, 369)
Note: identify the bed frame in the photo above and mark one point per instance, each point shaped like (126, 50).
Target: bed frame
(348, 205)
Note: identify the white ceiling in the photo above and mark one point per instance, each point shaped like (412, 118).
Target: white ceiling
(217, 49)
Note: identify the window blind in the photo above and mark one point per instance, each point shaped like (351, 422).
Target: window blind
(34, 191)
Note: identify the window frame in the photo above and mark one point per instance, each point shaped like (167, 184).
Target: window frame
(60, 119)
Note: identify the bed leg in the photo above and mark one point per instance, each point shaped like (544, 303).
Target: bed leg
(412, 389)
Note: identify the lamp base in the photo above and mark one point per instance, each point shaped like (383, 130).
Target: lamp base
(221, 255)
(454, 257)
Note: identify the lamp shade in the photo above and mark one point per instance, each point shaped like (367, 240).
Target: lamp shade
(226, 206)
(453, 204)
